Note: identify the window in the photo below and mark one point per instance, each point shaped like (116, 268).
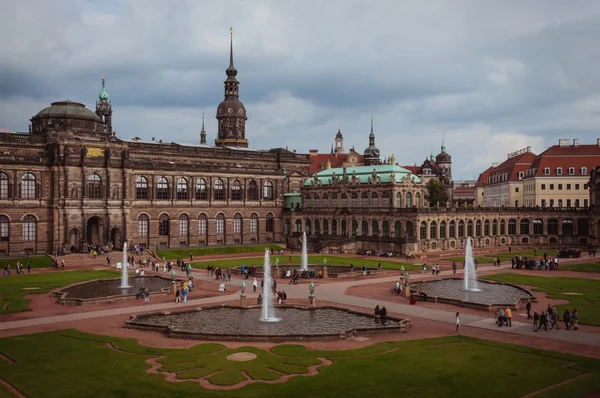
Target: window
(423, 230)
(237, 223)
(201, 192)
(162, 189)
(547, 171)
(354, 199)
(443, 230)
(344, 200)
(163, 225)
(94, 183)
(576, 186)
(308, 202)
(560, 203)
(576, 202)
(568, 202)
(268, 190)
(571, 171)
(219, 190)
(325, 200)
(538, 227)
(28, 186)
(182, 189)
(143, 225)
(317, 201)
(521, 174)
(220, 224)
(584, 171)
(552, 226)
(560, 186)
(3, 186)
(516, 189)
(398, 199)
(433, 230)
(4, 228)
(551, 202)
(512, 227)
(568, 186)
(364, 200)
(184, 225)
(141, 188)
(253, 223)
(236, 191)
(334, 201)
(408, 199)
(29, 228)
(385, 199)
(494, 227)
(543, 187)
(418, 199)
(461, 228)
(585, 203)
(374, 199)
(299, 226)
(452, 229)
(202, 224)
(253, 192)
(551, 186)
(559, 171)
(365, 228)
(524, 227)
(269, 222)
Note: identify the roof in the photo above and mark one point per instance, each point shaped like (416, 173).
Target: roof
(318, 162)
(483, 176)
(582, 158)
(68, 109)
(509, 169)
(364, 173)
(413, 169)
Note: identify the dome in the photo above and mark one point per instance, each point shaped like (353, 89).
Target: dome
(426, 164)
(68, 109)
(231, 107)
(443, 157)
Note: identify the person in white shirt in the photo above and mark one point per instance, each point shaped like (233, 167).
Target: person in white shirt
(457, 322)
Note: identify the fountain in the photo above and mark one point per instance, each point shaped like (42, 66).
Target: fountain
(267, 313)
(470, 276)
(304, 253)
(124, 276)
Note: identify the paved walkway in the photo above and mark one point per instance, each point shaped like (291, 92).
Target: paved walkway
(330, 292)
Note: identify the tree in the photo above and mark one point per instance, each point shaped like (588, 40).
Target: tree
(437, 193)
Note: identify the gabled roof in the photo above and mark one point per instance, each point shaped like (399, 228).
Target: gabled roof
(512, 167)
(364, 173)
(318, 162)
(483, 176)
(578, 157)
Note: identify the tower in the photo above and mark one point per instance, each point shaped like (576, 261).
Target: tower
(339, 142)
(203, 133)
(444, 164)
(104, 108)
(372, 152)
(231, 113)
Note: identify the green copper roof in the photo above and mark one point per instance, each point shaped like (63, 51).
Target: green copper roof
(364, 173)
(68, 108)
(103, 94)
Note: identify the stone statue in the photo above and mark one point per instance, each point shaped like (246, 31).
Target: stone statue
(374, 175)
(243, 289)
(74, 193)
(84, 152)
(393, 177)
(115, 193)
(173, 275)
(311, 288)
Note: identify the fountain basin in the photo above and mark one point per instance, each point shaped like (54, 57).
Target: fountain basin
(492, 295)
(110, 290)
(297, 323)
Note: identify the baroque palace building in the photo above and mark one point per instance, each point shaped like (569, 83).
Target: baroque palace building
(70, 182)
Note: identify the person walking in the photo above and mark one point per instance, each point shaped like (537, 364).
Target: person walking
(146, 296)
(508, 315)
(254, 284)
(574, 319)
(454, 267)
(567, 319)
(536, 321)
(178, 295)
(457, 322)
(29, 267)
(544, 321)
(185, 294)
(528, 308)
(554, 319)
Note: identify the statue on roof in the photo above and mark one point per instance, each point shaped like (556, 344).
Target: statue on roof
(393, 177)
(345, 176)
(328, 164)
(374, 175)
(353, 176)
(393, 159)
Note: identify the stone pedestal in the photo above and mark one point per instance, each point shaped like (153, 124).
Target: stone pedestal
(324, 272)
(407, 291)
(242, 300)
(311, 300)
(173, 288)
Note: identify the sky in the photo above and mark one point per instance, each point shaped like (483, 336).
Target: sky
(488, 77)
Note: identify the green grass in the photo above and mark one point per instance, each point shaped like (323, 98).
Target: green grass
(213, 251)
(36, 262)
(316, 259)
(14, 287)
(460, 260)
(70, 363)
(587, 304)
(590, 267)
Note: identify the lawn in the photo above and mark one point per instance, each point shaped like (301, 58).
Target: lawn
(586, 297)
(460, 260)
(590, 267)
(14, 287)
(213, 251)
(36, 262)
(312, 259)
(503, 256)
(69, 363)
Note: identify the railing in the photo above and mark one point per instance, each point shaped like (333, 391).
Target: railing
(439, 210)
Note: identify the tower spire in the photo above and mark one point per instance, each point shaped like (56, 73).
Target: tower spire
(203, 132)
(231, 48)
(443, 144)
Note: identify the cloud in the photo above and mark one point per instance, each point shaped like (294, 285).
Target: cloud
(493, 77)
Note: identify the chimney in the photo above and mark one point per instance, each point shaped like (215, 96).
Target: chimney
(494, 164)
(528, 149)
(598, 141)
(563, 142)
(313, 152)
(575, 142)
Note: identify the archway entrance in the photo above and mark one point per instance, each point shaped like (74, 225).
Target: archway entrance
(115, 237)
(74, 239)
(95, 229)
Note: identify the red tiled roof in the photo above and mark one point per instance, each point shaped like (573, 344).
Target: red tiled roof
(513, 166)
(483, 176)
(565, 157)
(318, 162)
(413, 169)
(464, 189)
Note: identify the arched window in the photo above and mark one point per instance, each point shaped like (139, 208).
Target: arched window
(354, 199)
(253, 223)
(386, 228)
(325, 227)
(163, 225)
(452, 229)
(364, 199)
(308, 201)
(28, 186)
(201, 192)
(398, 199)
(567, 227)
(237, 223)
(423, 230)
(408, 199)
(494, 227)
(236, 190)
(317, 202)
(398, 229)
(220, 224)
(219, 189)
(162, 189)
(253, 191)
(325, 201)
(308, 227)
(4, 228)
(478, 228)
(141, 188)
(268, 190)
(143, 225)
(418, 199)
(3, 186)
(410, 229)
(202, 224)
(470, 228)
(344, 228)
(94, 184)
(269, 222)
(365, 228)
(374, 228)
(184, 224)
(334, 227)
(512, 226)
(298, 225)
(553, 226)
(443, 230)
(433, 230)
(502, 227)
(344, 200)
(334, 200)
(524, 227)
(374, 199)
(538, 227)
(385, 199)
(461, 229)
(317, 227)
(29, 228)
(354, 227)
(486, 228)
(182, 189)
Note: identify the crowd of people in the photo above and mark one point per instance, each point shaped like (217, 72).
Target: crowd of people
(18, 268)
(551, 316)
